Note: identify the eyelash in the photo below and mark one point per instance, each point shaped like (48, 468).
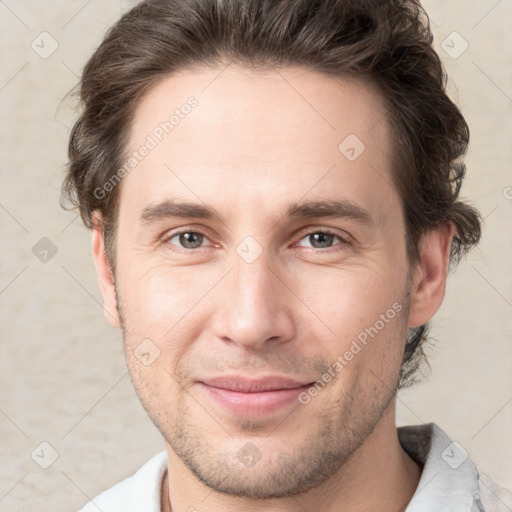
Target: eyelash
(342, 241)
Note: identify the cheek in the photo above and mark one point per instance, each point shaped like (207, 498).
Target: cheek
(348, 300)
(159, 295)
(165, 305)
(364, 311)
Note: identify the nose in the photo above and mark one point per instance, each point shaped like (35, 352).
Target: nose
(255, 306)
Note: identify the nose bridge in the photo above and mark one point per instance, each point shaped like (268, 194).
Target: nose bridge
(252, 285)
(254, 302)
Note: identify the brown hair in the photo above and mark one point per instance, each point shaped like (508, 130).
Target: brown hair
(385, 42)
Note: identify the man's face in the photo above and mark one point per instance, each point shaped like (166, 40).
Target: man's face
(256, 292)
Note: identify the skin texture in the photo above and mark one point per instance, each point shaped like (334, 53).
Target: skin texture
(255, 143)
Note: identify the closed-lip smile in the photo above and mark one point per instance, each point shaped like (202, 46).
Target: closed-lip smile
(253, 397)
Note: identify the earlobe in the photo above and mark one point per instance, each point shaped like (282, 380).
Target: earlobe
(104, 273)
(429, 282)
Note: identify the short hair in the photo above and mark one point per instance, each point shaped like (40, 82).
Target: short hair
(387, 43)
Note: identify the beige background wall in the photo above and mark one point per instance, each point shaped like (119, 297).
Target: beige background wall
(63, 377)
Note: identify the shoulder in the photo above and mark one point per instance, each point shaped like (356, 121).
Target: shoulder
(449, 476)
(141, 488)
(494, 497)
(111, 500)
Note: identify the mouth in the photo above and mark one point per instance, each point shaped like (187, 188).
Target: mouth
(253, 397)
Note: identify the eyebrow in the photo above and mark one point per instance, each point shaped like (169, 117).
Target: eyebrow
(172, 208)
(331, 208)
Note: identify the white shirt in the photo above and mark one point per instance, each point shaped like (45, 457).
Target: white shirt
(449, 481)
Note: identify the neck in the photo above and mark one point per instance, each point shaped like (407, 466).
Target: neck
(378, 476)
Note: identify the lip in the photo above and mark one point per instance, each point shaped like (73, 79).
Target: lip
(243, 384)
(252, 397)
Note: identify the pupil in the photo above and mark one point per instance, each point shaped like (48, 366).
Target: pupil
(323, 238)
(189, 240)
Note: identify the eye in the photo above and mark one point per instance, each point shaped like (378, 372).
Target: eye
(187, 239)
(322, 239)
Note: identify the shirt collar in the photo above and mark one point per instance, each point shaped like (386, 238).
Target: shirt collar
(449, 480)
(147, 485)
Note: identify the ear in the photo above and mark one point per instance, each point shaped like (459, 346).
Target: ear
(104, 273)
(429, 277)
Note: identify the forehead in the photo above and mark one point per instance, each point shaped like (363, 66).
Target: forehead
(237, 137)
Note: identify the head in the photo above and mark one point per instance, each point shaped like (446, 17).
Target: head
(272, 186)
